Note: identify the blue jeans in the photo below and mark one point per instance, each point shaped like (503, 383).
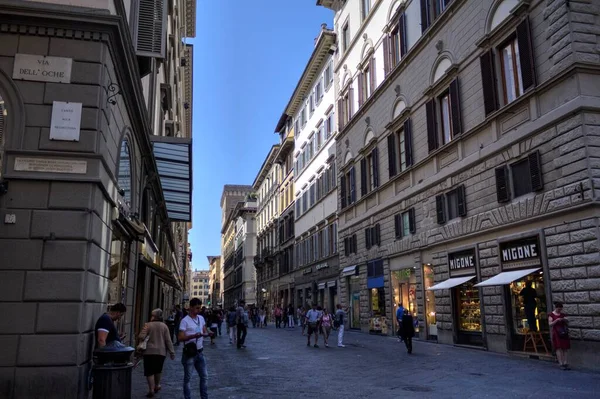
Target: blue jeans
(199, 363)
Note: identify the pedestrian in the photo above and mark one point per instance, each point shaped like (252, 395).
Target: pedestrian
(277, 314)
(399, 315)
(560, 334)
(221, 314)
(191, 331)
(231, 325)
(303, 320)
(299, 316)
(529, 295)
(105, 329)
(407, 330)
(213, 322)
(178, 317)
(313, 318)
(262, 313)
(158, 342)
(290, 316)
(326, 323)
(340, 319)
(254, 317)
(241, 317)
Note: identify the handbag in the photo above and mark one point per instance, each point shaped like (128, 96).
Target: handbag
(190, 349)
(144, 344)
(563, 331)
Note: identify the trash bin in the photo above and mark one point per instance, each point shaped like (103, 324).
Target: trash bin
(112, 372)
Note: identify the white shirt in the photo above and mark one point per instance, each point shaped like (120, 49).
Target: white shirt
(192, 326)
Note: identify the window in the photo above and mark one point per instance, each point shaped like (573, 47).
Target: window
(328, 75)
(311, 102)
(369, 172)
(372, 236)
(297, 126)
(345, 109)
(303, 117)
(444, 111)
(345, 37)
(366, 82)
(348, 187)
(515, 59)
(350, 245)
(328, 124)
(430, 10)
(305, 202)
(400, 149)
(365, 8)
(375, 269)
(312, 194)
(394, 44)
(319, 91)
(451, 205)
(404, 223)
(525, 175)
(332, 238)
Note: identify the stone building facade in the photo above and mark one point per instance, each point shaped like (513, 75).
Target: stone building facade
(214, 269)
(470, 170)
(87, 218)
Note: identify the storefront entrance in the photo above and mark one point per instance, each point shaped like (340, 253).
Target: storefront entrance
(404, 283)
(467, 314)
(430, 314)
(354, 301)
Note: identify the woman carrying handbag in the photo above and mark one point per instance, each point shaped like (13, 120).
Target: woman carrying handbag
(155, 343)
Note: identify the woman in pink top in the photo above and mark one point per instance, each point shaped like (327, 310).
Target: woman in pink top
(326, 322)
(159, 342)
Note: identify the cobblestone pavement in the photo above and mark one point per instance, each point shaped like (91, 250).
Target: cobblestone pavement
(278, 364)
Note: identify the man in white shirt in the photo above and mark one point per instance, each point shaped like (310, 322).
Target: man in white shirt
(313, 318)
(192, 331)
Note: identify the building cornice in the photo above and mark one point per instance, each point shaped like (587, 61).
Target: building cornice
(325, 46)
(266, 166)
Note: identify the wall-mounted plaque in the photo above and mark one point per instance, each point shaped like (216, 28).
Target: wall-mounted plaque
(66, 121)
(42, 68)
(50, 165)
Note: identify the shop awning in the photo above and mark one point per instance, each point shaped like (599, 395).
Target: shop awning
(162, 273)
(349, 271)
(506, 277)
(173, 157)
(450, 283)
(321, 286)
(331, 284)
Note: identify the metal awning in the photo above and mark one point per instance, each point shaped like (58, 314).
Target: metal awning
(331, 284)
(174, 162)
(506, 277)
(321, 286)
(349, 271)
(450, 283)
(162, 273)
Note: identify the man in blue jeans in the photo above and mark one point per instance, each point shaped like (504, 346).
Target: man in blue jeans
(192, 331)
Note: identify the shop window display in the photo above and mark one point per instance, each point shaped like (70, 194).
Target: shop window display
(405, 292)
(430, 315)
(528, 301)
(378, 322)
(119, 265)
(469, 310)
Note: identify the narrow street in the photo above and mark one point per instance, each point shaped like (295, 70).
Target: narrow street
(277, 363)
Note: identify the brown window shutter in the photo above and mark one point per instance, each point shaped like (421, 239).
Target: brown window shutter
(373, 76)
(402, 30)
(439, 208)
(354, 245)
(424, 15)
(375, 158)
(377, 234)
(432, 137)
(408, 142)
(368, 237)
(502, 191)
(351, 100)
(455, 108)
(411, 221)
(526, 54)
(363, 177)
(535, 169)
(392, 154)
(398, 225)
(340, 114)
(361, 80)
(462, 201)
(386, 54)
(343, 190)
(352, 185)
(488, 80)
(346, 247)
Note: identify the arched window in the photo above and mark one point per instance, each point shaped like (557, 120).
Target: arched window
(124, 173)
(3, 114)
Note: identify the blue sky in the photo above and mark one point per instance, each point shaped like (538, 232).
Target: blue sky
(248, 57)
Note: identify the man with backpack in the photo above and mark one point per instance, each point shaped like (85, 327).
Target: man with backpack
(241, 317)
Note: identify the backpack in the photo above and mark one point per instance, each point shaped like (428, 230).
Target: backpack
(337, 321)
